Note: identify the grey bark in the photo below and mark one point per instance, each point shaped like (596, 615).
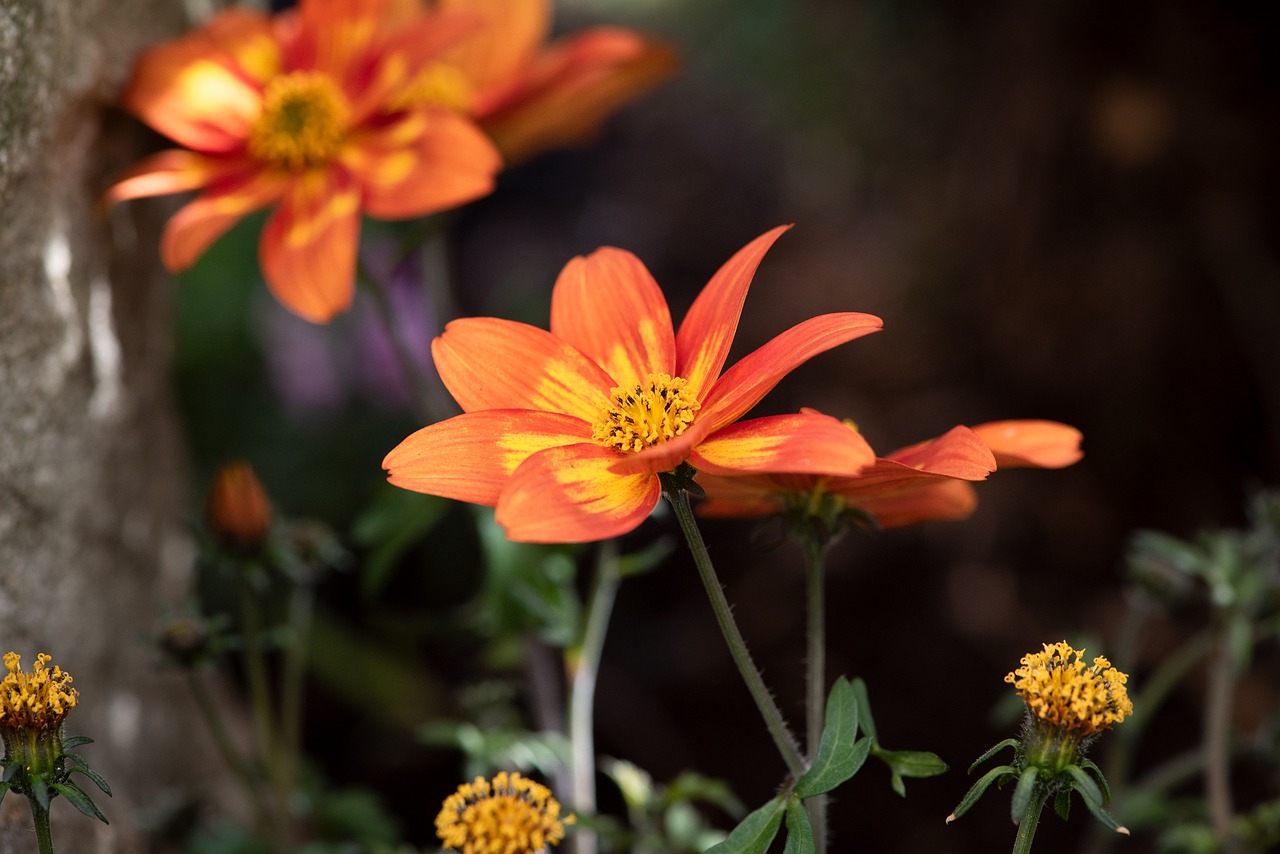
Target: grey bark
(92, 541)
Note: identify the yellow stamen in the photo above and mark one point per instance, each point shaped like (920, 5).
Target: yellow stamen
(36, 700)
(511, 815)
(646, 414)
(1059, 688)
(303, 121)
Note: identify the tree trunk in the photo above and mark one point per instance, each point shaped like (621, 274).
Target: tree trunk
(92, 540)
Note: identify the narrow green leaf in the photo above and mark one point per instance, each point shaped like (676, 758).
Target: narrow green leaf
(837, 758)
(40, 791)
(909, 763)
(1084, 784)
(1000, 772)
(867, 723)
(1090, 765)
(799, 830)
(75, 741)
(4, 790)
(95, 777)
(754, 833)
(1062, 804)
(1008, 742)
(79, 800)
(1095, 806)
(11, 769)
(1022, 792)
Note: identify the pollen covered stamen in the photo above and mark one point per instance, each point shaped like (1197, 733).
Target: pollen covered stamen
(646, 414)
(1060, 688)
(303, 121)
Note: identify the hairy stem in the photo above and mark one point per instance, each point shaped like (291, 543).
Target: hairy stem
(44, 836)
(815, 711)
(1030, 818)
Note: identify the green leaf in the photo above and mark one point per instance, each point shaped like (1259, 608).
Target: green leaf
(1090, 765)
(755, 832)
(79, 800)
(909, 763)
(1062, 804)
(867, 723)
(977, 789)
(1088, 791)
(1008, 742)
(95, 777)
(394, 523)
(75, 741)
(4, 790)
(1022, 792)
(799, 830)
(840, 755)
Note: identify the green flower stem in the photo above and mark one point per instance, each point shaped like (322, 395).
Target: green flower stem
(773, 720)
(1030, 818)
(44, 836)
(815, 558)
(582, 692)
(1217, 739)
(222, 740)
(255, 668)
(292, 679)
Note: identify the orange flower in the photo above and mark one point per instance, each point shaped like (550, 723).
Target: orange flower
(306, 109)
(565, 431)
(531, 96)
(920, 483)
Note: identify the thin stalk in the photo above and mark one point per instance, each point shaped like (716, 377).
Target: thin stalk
(222, 740)
(815, 711)
(1030, 818)
(1217, 738)
(292, 675)
(773, 719)
(423, 397)
(582, 691)
(255, 668)
(44, 836)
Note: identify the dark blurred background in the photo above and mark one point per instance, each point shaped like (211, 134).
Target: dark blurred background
(1061, 210)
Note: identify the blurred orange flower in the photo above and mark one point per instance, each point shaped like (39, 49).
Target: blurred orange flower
(308, 109)
(530, 96)
(565, 432)
(925, 482)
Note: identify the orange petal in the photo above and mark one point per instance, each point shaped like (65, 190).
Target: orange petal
(1041, 444)
(564, 97)
(705, 335)
(609, 307)
(568, 495)
(513, 31)
(338, 37)
(204, 90)
(426, 161)
(957, 453)
(470, 457)
(488, 363)
(747, 495)
(743, 385)
(193, 228)
(801, 443)
(308, 247)
(169, 171)
(924, 501)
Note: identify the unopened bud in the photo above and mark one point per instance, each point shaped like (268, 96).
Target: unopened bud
(239, 511)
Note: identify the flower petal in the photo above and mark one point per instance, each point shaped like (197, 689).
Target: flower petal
(171, 171)
(204, 90)
(489, 363)
(743, 385)
(568, 495)
(705, 335)
(1042, 444)
(800, 443)
(609, 307)
(957, 453)
(193, 228)
(506, 44)
(922, 500)
(750, 495)
(308, 247)
(470, 457)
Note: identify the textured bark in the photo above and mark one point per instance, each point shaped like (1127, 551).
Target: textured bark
(92, 545)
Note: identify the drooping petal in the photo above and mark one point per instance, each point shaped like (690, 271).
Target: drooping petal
(470, 457)
(750, 495)
(171, 171)
(568, 495)
(562, 99)
(425, 161)
(800, 443)
(489, 363)
(743, 385)
(193, 228)
(923, 500)
(308, 247)
(204, 90)
(609, 307)
(705, 335)
(1041, 444)
(957, 453)
(511, 34)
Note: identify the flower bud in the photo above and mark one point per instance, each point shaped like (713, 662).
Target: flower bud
(239, 511)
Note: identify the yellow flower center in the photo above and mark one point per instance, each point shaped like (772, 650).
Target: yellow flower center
(441, 85)
(1061, 689)
(645, 414)
(303, 121)
(36, 700)
(511, 815)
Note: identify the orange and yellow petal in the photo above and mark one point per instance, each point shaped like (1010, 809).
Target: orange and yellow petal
(800, 443)
(958, 453)
(569, 495)
(1039, 444)
(924, 500)
(705, 335)
(743, 385)
(339, 37)
(172, 171)
(608, 306)
(471, 456)
(198, 224)
(204, 90)
(423, 162)
(308, 247)
(750, 495)
(513, 31)
(490, 363)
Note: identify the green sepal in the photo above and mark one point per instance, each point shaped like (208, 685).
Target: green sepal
(79, 800)
(866, 721)
(681, 479)
(4, 790)
(94, 776)
(1062, 804)
(979, 788)
(39, 790)
(909, 763)
(75, 741)
(839, 754)
(799, 830)
(1008, 742)
(755, 832)
(11, 769)
(1090, 765)
(1022, 792)
(1090, 794)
